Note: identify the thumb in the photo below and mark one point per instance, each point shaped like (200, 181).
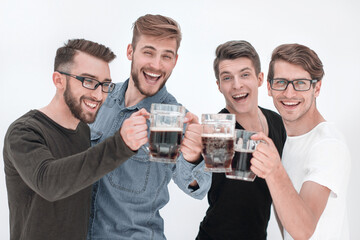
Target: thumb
(262, 137)
(191, 118)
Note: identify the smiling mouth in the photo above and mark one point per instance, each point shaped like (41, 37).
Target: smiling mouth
(91, 104)
(151, 77)
(290, 104)
(240, 97)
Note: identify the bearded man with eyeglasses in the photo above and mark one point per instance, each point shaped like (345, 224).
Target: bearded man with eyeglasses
(49, 165)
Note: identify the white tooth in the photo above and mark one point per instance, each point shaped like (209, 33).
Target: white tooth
(240, 95)
(92, 105)
(153, 74)
(290, 103)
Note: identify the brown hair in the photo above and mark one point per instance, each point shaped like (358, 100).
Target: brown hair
(235, 49)
(299, 55)
(65, 55)
(156, 26)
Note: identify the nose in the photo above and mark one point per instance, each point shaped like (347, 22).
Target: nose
(156, 62)
(289, 92)
(237, 83)
(97, 93)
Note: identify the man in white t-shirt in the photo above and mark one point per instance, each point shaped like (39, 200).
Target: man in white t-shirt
(309, 187)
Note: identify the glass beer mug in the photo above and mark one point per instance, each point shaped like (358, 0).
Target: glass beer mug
(218, 141)
(166, 128)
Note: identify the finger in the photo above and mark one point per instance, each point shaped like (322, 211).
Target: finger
(263, 148)
(193, 145)
(140, 135)
(193, 132)
(258, 172)
(260, 136)
(141, 112)
(191, 118)
(195, 128)
(136, 145)
(136, 120)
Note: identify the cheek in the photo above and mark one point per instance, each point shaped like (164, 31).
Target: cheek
(169, 66)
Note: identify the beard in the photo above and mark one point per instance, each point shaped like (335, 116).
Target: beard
(75, 107)
(135, 78)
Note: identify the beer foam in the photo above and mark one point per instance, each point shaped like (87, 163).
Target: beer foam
(166, 129)
(218, 135)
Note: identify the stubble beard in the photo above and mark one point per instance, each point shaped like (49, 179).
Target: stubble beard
(75, 107)
(135, 78)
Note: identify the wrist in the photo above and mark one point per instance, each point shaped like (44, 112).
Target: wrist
(194, 160)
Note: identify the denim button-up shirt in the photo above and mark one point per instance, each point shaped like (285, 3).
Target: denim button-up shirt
(126, 201)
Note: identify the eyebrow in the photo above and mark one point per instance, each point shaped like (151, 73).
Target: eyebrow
(241, 70)
(152, 48)
(94, 77)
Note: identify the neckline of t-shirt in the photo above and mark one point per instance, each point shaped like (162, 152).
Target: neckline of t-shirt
(72, 131)
(321, 124)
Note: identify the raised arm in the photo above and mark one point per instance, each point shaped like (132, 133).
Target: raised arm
(189, 173)
(299, 213)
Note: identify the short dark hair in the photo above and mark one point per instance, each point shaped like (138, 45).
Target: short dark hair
(299, 55)
(65, 55)
(156, 26)
(235, 49)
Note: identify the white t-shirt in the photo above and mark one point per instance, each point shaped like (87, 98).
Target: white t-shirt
(322, 156)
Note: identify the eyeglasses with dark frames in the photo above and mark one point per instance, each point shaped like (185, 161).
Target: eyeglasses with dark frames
(91, 83)
(281, 84)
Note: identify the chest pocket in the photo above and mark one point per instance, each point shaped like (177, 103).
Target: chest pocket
(133, 175)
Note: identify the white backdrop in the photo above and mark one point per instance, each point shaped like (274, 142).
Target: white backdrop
(31, 31)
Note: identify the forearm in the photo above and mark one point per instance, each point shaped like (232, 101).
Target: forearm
(191, 178)
(295, 216)
(57, 178)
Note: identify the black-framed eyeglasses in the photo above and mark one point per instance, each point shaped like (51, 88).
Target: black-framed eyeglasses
(91, 83)
(281, 84)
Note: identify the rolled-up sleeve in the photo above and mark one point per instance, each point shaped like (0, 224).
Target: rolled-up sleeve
(185, 173)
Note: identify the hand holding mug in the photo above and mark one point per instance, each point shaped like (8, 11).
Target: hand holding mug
(134, 130)
(191, 145)
(266, 159)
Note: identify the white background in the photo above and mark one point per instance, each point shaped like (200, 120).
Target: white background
(31, 31)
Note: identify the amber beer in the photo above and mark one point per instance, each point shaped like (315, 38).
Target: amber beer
(164, 143)
(218, 152)
(218, 141)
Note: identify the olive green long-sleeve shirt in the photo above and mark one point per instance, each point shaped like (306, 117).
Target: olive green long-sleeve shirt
(49, 172)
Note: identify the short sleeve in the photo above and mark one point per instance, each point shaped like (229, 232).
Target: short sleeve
(329, 165)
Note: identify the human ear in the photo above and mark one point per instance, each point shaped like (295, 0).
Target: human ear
(129, 52)
(317, 88)
(269, 89)
(218, 84)
(58, 80)
(261, 79)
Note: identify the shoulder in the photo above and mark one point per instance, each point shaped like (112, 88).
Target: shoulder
(274, 121)
(328, 146)
(326, 134)
(29, 120)
(328, 156)
(169, 98)
(271, 115)
(27, 128)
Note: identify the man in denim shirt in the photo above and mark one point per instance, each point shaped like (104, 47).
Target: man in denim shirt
(126, 202)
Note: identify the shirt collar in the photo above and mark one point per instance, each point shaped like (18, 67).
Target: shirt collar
(119, 96)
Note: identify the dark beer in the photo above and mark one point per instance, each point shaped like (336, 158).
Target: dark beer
(164, 143)
(240, 165)
(217, 152)
(241, 160)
